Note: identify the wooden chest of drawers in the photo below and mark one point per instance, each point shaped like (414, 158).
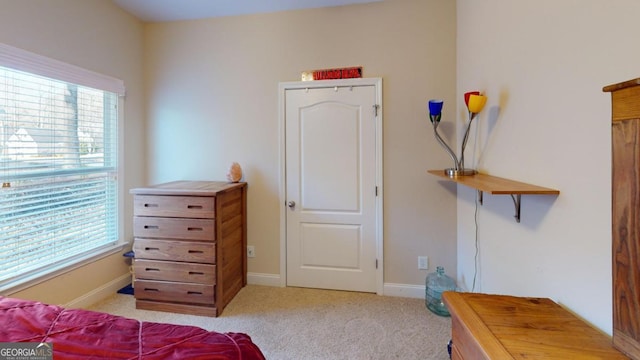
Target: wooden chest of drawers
(190, 246)
(486, 327)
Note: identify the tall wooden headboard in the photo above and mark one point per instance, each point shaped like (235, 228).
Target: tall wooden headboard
(625, 141)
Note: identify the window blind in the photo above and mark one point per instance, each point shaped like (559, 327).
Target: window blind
(58, 167)
(22, 60)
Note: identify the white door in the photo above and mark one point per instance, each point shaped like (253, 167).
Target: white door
(330, 160)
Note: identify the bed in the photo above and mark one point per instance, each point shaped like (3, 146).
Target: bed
(84, 334)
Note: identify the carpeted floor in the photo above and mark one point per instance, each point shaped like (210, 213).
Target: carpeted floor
(301, 324)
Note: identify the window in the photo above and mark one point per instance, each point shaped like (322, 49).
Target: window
(59, 167)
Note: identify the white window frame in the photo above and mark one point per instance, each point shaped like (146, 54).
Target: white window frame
(26, 61)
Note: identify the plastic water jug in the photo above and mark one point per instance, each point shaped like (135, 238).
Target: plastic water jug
(437, 283)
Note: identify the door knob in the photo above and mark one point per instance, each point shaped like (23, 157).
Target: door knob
(291, 204)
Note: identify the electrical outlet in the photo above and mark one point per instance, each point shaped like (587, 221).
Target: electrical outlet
(423, 262)
(251, 251)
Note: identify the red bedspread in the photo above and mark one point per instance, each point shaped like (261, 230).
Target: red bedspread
(83, 334)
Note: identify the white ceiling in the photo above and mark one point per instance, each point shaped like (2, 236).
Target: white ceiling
(174, 10)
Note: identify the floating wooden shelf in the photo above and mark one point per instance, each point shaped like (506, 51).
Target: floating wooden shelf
(497, 186)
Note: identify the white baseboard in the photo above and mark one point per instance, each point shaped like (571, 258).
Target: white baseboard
(404, 290)
(100, 293)
(389, 289)
(263, 279)
(106, 290)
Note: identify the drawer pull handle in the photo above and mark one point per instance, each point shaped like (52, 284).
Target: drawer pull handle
(151, 269)
(196, 252)
(151, 227)
(194, 293)
(197, 207)
(150, 289)
(150, 205)
(195, 273)
(151, 248)
(194, 229)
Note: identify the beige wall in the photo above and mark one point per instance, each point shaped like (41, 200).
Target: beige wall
(212, 99)
(98, 36)
(211, 87)
(543, 65)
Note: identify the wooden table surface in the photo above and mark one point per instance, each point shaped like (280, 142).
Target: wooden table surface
(507, 327)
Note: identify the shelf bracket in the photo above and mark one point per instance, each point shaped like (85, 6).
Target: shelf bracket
(516, 202)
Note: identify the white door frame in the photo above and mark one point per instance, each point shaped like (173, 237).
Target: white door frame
(282, 88)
